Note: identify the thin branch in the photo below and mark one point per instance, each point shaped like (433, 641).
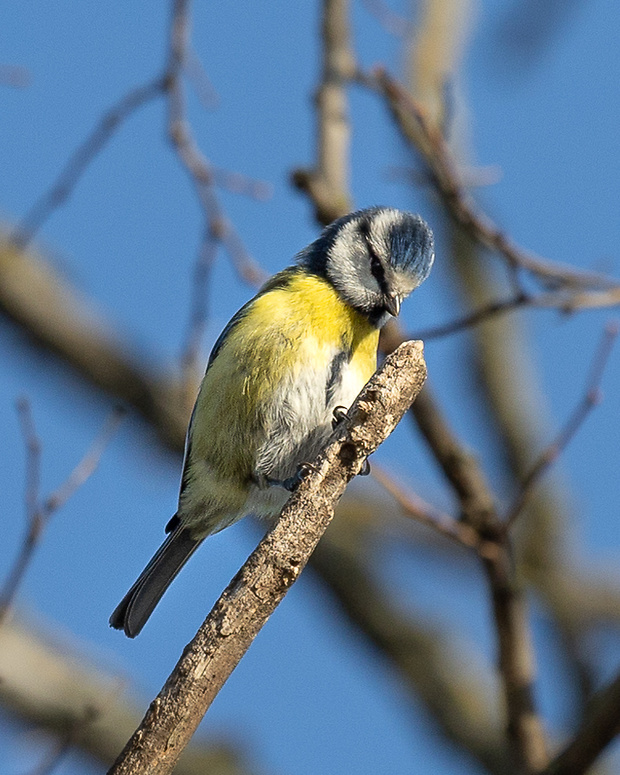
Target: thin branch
(39, 514)
(217, 229)
(560, 300)
(193, 160)
(62, 188)
(181, 58)
(481, 315)
(268, 574)
(87, 466)
(459, 465)
(601, 725)
(430, 144)
(198, 77)
(237, 183)
(327, 185)
(590, 399)
(415, 507)
(197, 324)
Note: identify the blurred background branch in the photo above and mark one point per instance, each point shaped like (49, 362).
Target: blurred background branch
(47, 682)
(482, 461)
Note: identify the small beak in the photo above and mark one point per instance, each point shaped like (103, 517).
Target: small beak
(392, 304)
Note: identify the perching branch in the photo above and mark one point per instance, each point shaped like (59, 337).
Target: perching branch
(271, 569)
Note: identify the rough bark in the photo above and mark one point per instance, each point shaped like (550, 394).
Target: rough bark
(260, 585)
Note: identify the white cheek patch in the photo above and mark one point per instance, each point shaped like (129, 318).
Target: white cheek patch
(349, 275)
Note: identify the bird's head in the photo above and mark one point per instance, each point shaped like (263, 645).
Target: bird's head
(374, 258)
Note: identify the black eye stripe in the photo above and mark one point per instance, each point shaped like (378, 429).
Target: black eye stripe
(376, 265)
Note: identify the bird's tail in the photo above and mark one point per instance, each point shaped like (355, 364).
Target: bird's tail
(135, 608)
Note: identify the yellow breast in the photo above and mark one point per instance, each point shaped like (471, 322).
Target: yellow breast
(295, 326)
(309, 314)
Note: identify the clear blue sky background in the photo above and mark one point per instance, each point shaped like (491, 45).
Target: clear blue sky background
(308, 698)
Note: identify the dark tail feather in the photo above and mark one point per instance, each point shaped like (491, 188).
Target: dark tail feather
(135, 608)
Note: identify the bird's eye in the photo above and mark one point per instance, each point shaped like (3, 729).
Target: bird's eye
(376, 267)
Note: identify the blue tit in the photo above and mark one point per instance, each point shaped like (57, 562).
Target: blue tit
(300, 350)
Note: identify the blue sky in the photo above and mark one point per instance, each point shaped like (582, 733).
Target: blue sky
(128, 237)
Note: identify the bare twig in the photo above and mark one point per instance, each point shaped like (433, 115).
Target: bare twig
(590, 399)
(237, 183)
(203, 86)
(430, 144)
(458, 464)
(422, 512)
(87, 466)
(39, 514)
(191, 354)
(81, 158)
(560, 300)
(184, 144)
(327, 184)
(181, 58)
(268, 574)
(217, 230)
(474, 318)
(601, 724)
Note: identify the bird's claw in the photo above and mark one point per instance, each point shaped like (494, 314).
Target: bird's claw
(293, 482)
(340, 412)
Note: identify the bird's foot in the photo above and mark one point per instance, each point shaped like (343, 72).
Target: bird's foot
(340, 412)
(293, 482)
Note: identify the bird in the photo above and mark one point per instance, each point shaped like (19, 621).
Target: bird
(280, 376)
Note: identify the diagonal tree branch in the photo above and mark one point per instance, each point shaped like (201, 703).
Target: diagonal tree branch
(80, 159)
(48, 683)
(271, 569)
(600, 726)
(428, 141)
